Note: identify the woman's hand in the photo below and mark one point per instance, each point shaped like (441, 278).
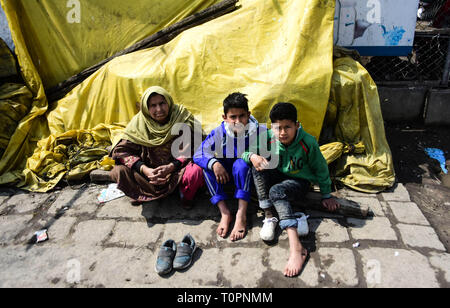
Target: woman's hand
(161, 181)
(148, 172)
(156, 177)
(165, 170)
(259, 162)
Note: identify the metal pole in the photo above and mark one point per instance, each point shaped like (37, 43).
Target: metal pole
(445, 75)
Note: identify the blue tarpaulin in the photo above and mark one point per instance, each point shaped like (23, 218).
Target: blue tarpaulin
(437, 154)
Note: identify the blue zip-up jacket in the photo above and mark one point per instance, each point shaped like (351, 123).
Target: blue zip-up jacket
(221, 143)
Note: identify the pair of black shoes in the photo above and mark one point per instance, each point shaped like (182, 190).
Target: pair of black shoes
(173, 256)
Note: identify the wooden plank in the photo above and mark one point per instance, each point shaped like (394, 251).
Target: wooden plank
(348, 208)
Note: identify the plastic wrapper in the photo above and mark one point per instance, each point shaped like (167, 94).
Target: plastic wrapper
(110, 193)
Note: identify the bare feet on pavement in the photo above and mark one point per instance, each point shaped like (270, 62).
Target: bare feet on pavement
(239, 228)
(295, 262)
(224, 224)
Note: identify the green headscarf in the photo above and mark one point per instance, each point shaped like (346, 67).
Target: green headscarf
(145, 131)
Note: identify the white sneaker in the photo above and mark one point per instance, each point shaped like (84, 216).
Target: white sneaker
(267, 232)
(302, 227)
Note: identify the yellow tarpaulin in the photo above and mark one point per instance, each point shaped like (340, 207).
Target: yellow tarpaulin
(63, 37)
(70, 155)
(51, 45)
(355, 114)
(271, 50)
(15, 102)
(7, 61)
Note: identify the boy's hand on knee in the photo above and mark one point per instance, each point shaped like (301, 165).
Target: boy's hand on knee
(221, 174)
(330, 204)
(259, 162)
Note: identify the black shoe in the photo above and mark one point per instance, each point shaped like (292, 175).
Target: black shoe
(185, 253)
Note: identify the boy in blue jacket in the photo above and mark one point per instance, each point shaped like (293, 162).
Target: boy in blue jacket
(219, 156)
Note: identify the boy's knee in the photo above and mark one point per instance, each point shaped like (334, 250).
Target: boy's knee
(240, 167)
(277, 192)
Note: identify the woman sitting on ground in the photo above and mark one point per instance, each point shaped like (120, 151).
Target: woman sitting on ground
(145, 169)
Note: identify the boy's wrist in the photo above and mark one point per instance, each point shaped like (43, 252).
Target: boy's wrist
(211, 162)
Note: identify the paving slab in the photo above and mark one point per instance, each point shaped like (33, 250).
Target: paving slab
(31, 268)
(377, 228)
(120, 268)
(45, 265)
(245, 261)
(408, 212)
(76, 201)
(328, 230)
(92, 232)
(60, 229)
(4, 195)
(25, 202)
(441, 261)
(120, 209)
(396, 268)
(386, 208)
(11, 225)
(400, 193)
(420, 236)
(65, 198)
(339, 266)
(136, 234)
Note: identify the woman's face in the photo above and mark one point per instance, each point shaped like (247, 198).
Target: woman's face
(158, 108)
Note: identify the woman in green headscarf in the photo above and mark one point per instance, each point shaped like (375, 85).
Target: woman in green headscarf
(145, 168)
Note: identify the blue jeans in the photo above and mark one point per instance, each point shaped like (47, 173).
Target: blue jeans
(277, 189)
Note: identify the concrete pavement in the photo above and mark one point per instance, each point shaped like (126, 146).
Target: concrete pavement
(116, 244)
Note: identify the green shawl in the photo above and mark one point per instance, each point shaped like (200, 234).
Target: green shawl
(145, 131)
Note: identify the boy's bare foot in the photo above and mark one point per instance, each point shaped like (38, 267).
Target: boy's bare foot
(240, 225)
(239, 229)
(295, 262)
(224, 224)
